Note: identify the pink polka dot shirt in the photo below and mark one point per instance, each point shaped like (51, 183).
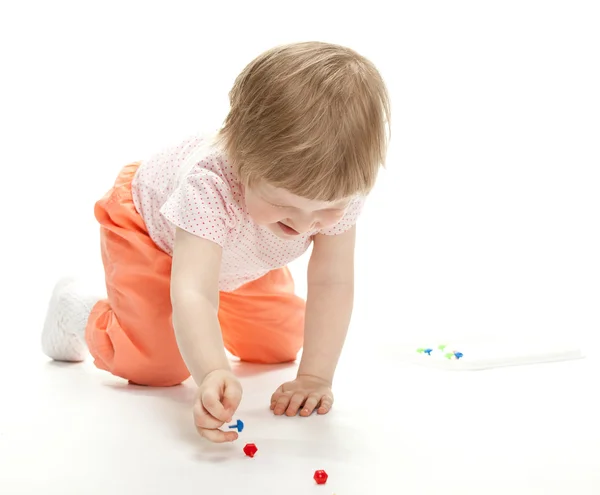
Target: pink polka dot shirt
(193, 186)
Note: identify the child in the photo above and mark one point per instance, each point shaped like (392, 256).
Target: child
(196, 240)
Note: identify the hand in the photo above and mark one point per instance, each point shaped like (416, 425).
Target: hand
(306, 392)
(219, 396)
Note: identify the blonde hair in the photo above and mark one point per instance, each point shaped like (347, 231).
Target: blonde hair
(310, 118)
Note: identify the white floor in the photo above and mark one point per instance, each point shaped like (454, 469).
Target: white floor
(485, 222)
(71, 429)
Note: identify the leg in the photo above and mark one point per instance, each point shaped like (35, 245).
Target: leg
(263, 321)
(130, 334)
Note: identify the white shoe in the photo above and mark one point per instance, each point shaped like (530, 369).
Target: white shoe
(63, 337)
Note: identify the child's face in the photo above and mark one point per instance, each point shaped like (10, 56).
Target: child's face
(288, 215)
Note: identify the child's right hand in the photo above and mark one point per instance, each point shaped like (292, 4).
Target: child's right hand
(219, 396)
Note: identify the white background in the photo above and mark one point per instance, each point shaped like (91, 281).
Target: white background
(485, 222)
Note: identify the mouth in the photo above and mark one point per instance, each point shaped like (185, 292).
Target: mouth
(287, 230)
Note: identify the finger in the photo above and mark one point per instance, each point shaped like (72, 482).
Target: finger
(282, 403)
(211, 402)
(231, 399)
(310, 404)
(295, 403)
(274, 400)
(203, 419)
(276, 396)
(326, 403)
(218, 436)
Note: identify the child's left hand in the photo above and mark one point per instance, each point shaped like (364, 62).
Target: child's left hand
(306, 392)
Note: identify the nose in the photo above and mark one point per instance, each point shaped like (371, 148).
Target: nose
(303, 224)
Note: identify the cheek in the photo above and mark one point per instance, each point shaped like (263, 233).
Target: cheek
(262, 213)
(330, 219)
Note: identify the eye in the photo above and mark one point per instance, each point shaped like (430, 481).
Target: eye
(336, 211)
(272, 205)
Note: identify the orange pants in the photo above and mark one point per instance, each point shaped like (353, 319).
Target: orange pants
(131, 335)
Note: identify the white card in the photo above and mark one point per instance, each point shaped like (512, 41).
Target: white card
(465, 355)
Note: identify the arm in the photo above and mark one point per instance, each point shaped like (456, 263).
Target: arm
(195, 300)
(329, 303)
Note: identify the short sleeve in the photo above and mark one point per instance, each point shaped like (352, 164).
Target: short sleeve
(348, 220)
(202, 205)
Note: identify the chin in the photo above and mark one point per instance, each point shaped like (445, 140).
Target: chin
(273, 227)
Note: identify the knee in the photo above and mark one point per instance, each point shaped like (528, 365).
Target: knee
(157, 378)
(157, 372)
(269, 354)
